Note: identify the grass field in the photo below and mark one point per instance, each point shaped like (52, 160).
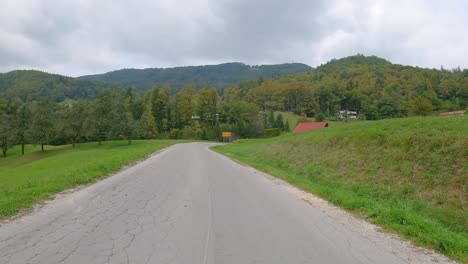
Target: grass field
(408, 175)
(291, 117)
(36, 176)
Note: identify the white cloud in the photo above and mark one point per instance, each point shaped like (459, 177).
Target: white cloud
(85, 36)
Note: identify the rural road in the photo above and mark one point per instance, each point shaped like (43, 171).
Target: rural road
(187, 205)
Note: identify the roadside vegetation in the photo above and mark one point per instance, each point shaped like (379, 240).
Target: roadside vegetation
(36, 176)
(407, 175)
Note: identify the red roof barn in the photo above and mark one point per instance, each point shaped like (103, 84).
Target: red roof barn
(307, 126)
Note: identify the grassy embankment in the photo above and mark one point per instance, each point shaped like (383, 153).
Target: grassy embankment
(291, 117)
(406, 175)
(36, 176)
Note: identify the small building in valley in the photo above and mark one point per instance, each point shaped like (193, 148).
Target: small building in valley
(345, 114)
(308, 126)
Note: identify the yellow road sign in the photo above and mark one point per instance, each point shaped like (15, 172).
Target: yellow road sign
(227, 134)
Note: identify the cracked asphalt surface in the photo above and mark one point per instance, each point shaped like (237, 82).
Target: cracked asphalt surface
(187, 205)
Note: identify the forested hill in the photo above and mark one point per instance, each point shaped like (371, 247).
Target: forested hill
(372, 86)
(29, 85)
(220, 76)
(353, 61)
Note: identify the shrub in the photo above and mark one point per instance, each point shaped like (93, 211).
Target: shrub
(187, 133)
(421, 106)
(272, 132)
(174, 134)
(320, 117)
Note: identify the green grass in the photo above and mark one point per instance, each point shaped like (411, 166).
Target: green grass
(36, 176)
(409, 175)
(291, 117)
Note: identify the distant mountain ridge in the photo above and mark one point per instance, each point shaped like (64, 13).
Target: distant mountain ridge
(29, 85)
(221, 76)
(365, 71)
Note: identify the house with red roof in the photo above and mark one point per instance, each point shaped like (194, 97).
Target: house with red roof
(308, 126)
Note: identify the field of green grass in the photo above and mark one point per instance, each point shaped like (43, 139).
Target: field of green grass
(408, 175)
(291, 117)
(36, 176)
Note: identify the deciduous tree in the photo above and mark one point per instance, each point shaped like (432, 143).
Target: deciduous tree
(73, 121)
(43, 125)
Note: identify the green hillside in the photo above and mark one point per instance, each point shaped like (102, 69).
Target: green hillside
(220, 76)
(37, 175)
(372, 86)
(28, 85)
(408, 175)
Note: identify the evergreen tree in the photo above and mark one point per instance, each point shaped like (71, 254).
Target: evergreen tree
(286, 126)
(279, 122)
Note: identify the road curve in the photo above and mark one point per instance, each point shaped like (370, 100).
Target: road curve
(185, 205)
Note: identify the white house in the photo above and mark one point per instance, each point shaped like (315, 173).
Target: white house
(345, 114)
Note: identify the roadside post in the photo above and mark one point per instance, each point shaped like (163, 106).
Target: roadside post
(227, 136)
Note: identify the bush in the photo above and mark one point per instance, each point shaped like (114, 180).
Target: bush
(421, 106)
(204, 135)
(320, 117)
(174, 134)
(187, 133)
(272, 132)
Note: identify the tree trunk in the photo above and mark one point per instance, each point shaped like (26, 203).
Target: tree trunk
(73, 142)
(42, 147)
(4, 150)
(129, 140)
(100, 136)
(22, 147)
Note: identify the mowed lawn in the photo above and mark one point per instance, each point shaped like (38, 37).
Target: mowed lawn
(25, 180)
(408, 175)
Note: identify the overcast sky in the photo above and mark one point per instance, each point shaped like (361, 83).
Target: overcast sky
(94, 36)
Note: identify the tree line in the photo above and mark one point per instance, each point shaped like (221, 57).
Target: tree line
(117, 114)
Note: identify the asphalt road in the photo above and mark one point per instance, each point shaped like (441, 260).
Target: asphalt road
(185, 205)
